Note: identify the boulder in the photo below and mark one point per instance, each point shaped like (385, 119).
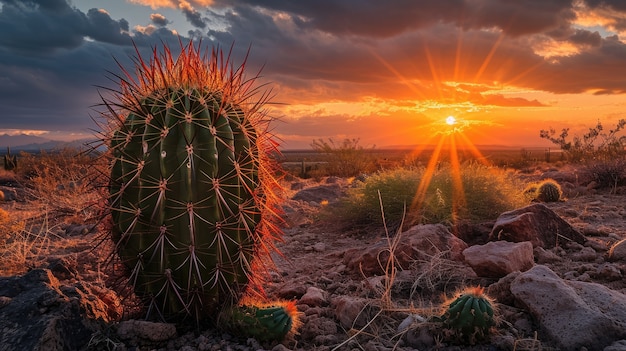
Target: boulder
(496, 259)
(571, 314)
(40, 313)
(535, 223)
(319, 194)
(418, 242)
(618, 251)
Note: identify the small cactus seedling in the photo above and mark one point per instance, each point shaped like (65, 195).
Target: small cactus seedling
(10, 161)
(470, 316)
(192, 187)
(548, 191)
(264, 322)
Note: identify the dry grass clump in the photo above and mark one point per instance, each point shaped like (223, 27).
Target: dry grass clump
(60, 179)
(54, 191)
(608, 174)
(345, 159)
(475, 192)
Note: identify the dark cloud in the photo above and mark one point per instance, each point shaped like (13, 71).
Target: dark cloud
(194, 17)
(49, 71)
(375, 18)
(362, 17)
(518, 17)
(586, 37)
(42, 26)
(618, 5)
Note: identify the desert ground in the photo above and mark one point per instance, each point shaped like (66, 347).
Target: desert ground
(357, 287)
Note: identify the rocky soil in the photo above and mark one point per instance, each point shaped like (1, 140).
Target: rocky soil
(556, 273)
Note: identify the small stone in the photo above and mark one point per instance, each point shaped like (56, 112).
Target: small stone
(586, 254)
(314, 297)
(350, 311)
(319, 247)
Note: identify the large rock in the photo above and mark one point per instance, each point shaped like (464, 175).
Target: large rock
(571, 314)
(39, 313)
(535, 223)
(496, 259)
(418, 242)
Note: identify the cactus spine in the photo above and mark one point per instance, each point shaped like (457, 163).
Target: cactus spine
(549, 191)
(192, 193)
(470, 315)
(10, 162)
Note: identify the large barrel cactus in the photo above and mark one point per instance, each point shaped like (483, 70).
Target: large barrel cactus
(192, 192)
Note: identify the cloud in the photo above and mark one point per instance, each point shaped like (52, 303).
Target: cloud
(155, 4)
(456, 52)
(513, 43)
(46, 26)
(194, 17)
(159, 20)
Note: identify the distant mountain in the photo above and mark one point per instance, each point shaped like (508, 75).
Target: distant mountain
(31, 143)
(20, 139)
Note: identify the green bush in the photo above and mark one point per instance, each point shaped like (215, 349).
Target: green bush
(486, 192)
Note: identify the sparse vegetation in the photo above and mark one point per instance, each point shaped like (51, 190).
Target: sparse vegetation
(404, 303)
(607, 174)
(345, 159)
(596, 144)
(475, 192)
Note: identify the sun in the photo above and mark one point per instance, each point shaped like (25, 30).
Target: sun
(450, 120)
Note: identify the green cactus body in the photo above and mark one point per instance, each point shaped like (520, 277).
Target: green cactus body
(549, 191)
(10, 162)
(263, 322)
(191, 192)
(470, 316)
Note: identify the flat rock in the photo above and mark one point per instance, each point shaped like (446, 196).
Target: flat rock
(318, 194)
(571, 314)
(496, 259)
(535, 223)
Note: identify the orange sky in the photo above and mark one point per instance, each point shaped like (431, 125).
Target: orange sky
(386, 72)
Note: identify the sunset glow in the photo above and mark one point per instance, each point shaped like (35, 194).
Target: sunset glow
(502, 77)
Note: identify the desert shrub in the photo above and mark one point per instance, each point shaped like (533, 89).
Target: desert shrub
(607, 173)
(9, 226)
(345, 159)
(61, 178)
(594, 145)
(485, 192)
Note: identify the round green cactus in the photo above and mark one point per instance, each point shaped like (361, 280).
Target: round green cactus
(548, 191)
(470, 316)
(192, 192)
(264, 322)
